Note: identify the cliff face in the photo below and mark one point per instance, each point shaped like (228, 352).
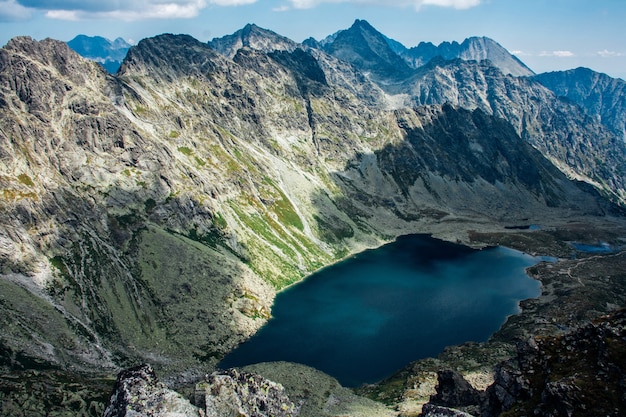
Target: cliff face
(479, 73)
(600, 96)
(152, 215)
(575, 374)
(558, 128)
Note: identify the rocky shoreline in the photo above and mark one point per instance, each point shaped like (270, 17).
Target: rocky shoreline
(577, 289)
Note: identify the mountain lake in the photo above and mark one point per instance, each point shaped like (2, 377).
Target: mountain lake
(373, 313)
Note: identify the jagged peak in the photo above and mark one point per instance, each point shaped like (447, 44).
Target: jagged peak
(49, 52)
(254, 37)
(475, 48)
(170, 53)
(368, 50)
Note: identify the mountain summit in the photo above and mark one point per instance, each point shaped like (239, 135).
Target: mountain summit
(368, 50)
(471, 49)
(252, 36)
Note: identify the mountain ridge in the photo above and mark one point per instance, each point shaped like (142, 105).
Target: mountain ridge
(152, 215)
(598, 94)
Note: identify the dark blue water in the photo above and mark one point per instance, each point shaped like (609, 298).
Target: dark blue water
(364, 318)
(602, 247)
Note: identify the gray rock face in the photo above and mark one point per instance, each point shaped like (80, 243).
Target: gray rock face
(454, 391)
(577, 373)
(138, 392)
(600, 96)
(559, 129)
(236, 393)
(471, 49)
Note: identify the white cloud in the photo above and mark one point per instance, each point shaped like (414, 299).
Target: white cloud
(417, 4)
(558, 54)
(232, 2)
(610, 54)
(11, 11)
(521, 53)
(123, 10)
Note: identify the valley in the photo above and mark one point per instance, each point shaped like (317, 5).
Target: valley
(152, 215)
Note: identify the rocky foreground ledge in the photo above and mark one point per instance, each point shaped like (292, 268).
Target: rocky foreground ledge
(138, 392)
(581, 373)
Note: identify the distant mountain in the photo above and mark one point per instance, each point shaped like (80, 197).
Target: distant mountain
(599, 95)
(471, 49)
(578, 144)
(368, 50)
(96, 48)
(372, 51)
(254, 37)
(478, 73)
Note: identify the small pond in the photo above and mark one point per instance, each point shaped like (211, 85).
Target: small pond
(365, 317)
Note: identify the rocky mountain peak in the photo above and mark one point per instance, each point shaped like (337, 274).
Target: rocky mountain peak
(252, 36)
(48, 52)
(170, 55)
(471, 49)
(368, 50)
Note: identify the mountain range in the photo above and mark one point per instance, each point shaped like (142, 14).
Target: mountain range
(151, 215)
(96, 48)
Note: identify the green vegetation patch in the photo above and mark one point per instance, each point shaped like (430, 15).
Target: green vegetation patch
(282, 206)
(279, 266)
(26, 180)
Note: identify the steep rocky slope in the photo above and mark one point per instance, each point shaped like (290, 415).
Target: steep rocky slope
(479, 73)
(578, 144)
(600, 96)
(151, 216)
(578, 373)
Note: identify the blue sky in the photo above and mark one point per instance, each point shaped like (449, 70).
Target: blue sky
(547, 35)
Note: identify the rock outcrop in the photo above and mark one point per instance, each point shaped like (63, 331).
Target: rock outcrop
(578, 373)
(600, 96)
(138, 392)
(233, 392)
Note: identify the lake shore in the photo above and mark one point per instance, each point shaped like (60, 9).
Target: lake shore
(577, 289)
